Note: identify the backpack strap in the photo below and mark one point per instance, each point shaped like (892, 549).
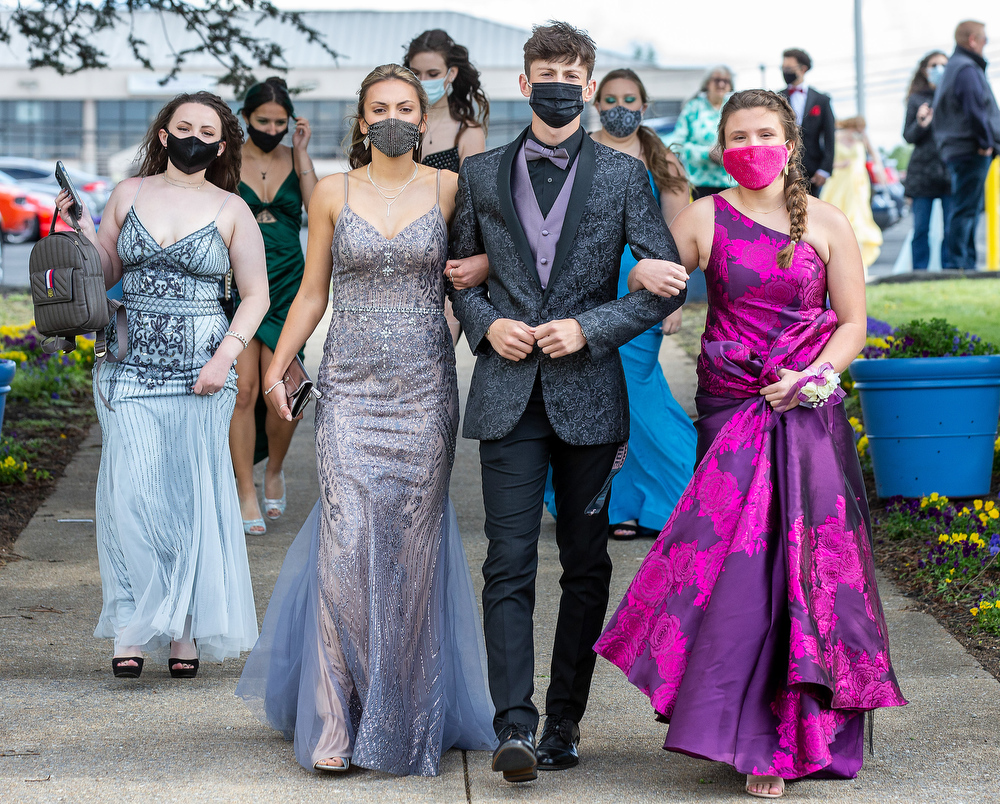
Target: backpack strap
(101, 353)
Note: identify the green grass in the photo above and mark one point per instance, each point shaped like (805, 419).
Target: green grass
(15, 309)
(972, 305)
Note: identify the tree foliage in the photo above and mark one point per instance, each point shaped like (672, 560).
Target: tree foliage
(61, 33)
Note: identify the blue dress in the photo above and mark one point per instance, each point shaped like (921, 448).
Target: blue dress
(170, 541)
(662, 438)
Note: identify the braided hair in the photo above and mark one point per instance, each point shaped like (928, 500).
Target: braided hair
(467, 101)
(796, 191)
(668, 177)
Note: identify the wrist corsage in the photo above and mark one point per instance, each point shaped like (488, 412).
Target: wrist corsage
(820, 389)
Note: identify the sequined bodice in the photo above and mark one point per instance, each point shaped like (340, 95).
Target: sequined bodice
(171, 296)
(182, 275)
(374, 273)
(751, 301)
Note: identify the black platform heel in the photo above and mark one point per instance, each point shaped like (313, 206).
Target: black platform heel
(183, 672)
(122, 670)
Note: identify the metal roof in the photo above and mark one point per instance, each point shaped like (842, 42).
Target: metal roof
(361, 38)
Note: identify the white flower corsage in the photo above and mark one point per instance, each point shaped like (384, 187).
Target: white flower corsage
(820, 389)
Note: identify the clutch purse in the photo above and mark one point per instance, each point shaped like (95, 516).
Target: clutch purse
(298, 387)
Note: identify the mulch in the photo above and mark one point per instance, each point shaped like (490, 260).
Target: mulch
(19, 501)
(897, 558)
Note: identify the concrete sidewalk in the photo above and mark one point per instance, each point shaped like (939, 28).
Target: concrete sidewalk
(71, 732)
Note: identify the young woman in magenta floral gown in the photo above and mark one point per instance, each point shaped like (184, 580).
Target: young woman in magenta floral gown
(754, 623)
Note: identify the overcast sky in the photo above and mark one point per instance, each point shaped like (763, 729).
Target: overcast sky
(745, 35)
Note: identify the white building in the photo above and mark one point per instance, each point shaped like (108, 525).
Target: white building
(88, 117)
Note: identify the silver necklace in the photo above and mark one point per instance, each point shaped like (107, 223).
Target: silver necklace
(386, 193)
(168, 180)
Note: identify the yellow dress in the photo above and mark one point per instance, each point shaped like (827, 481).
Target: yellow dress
(849, 189)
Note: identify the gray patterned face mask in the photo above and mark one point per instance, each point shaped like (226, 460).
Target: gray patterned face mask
(620, 122)
(393, 137)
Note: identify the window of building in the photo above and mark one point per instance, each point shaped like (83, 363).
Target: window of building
(122, 124)
(42, 129)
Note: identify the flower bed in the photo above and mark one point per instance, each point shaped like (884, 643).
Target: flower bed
(944, 554)
(49, 410)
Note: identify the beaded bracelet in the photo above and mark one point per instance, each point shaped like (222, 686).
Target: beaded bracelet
(238, 337)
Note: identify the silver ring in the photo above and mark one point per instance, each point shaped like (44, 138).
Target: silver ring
(211, 393)
(285, 405)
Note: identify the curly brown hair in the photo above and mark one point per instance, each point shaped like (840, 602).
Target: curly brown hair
(358, 153)
(796, 192)
(668, 175)
(467, 101)
(224, 172)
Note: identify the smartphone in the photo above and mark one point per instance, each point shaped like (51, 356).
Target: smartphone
(75, 211)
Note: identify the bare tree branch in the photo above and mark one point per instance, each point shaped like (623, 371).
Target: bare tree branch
(60, 34)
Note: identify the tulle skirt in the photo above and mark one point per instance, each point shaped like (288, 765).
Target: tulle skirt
(170, 543)
(291, 683)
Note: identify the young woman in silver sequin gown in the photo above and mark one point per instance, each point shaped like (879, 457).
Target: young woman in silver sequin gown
(371, 649)
(173, 560)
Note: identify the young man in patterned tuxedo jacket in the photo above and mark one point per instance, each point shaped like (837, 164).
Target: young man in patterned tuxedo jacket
(553, 211)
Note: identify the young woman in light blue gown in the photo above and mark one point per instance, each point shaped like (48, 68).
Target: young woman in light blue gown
(371, 652)
(173, 560)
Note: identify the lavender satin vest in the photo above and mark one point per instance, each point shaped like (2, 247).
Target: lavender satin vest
(542, 231)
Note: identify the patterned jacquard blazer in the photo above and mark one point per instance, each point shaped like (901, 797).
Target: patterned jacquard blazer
(611, 204)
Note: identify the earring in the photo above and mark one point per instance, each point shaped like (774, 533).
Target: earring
(784, 170)
(367, 142)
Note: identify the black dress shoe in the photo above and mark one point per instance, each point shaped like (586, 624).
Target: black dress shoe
(515, 756)
(557, 748)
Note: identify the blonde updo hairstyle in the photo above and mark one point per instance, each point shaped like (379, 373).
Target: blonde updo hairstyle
(358, 153)
(796, 188)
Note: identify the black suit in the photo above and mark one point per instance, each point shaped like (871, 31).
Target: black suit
(571, 411)
(818, 130)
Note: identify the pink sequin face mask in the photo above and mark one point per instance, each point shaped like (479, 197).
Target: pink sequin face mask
(755, 166)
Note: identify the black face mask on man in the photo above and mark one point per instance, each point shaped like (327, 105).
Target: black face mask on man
(191, 154)
(790, 76)
(266, 142)
(555, 103)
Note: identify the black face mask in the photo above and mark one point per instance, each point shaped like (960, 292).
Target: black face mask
(555, 103)
(790, 76)
(191, 154)
(266, 142)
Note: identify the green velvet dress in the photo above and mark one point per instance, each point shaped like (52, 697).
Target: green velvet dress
(280, 221)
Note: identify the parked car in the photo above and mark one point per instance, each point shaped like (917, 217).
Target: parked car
(25, 214)
(40, 174)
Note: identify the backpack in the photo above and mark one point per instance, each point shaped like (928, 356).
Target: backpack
(68, 294)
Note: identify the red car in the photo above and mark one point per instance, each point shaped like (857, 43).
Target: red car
(25, 215)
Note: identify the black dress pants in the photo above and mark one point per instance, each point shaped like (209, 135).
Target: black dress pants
(514, 472)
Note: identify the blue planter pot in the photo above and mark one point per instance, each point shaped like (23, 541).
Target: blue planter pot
(931, 423)
(7, 368)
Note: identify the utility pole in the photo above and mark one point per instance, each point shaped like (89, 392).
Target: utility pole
(859, 56)
(763, 76)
